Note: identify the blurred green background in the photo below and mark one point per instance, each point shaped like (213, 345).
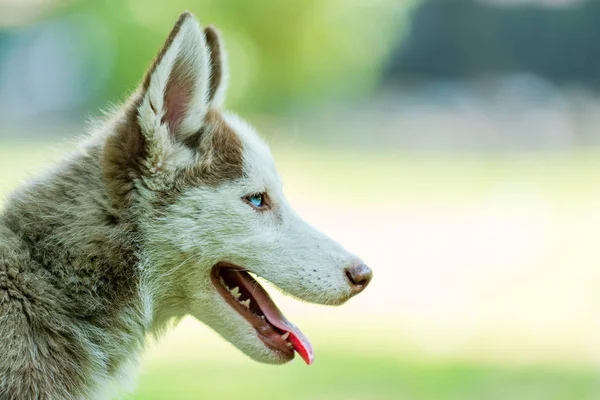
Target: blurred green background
(451, 144)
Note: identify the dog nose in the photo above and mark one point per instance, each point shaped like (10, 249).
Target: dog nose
(359, 276)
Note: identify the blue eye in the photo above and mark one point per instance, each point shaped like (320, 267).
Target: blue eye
(257, 200)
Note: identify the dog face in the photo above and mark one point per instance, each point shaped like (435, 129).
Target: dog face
(211, 210)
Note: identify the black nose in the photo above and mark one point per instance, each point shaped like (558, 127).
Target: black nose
(359, 276)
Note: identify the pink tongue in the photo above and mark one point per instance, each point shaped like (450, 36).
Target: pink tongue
(277, 319)
(297, 338)
(302, 346)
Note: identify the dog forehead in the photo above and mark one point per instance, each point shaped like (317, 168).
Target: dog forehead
(258, 160)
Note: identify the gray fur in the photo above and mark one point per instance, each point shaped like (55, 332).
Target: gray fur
(70, 312)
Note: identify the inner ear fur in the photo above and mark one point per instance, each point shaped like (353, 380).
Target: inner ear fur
(175, 89)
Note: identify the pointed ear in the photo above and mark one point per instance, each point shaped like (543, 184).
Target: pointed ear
(219, 77)
(176, 87)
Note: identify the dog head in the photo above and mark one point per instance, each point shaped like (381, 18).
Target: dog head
(203, 189)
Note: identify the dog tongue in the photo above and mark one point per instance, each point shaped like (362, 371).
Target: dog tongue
(297, 338)
(302, 346)
(277, 319)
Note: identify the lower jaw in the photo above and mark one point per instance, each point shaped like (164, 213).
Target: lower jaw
(269, 355)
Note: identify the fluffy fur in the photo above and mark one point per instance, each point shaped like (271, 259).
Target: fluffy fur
(119, 239)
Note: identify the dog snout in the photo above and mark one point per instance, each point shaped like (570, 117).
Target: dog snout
(359, 276)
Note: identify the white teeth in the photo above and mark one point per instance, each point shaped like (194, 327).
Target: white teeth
(246, 303)
(289, 345)
(262, 316)
(287, 335)
(235, 292)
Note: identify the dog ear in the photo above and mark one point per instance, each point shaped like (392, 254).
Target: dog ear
(175, 90)
(169, 124)
(168, 109)
(219, 77)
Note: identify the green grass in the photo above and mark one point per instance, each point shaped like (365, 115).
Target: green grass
(349, 376)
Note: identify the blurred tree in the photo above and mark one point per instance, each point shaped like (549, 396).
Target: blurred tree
(470, 38)
(282, 53)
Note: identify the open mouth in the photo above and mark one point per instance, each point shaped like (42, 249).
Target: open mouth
(246, 296)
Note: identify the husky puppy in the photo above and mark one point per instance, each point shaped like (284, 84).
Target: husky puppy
(170, 208)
